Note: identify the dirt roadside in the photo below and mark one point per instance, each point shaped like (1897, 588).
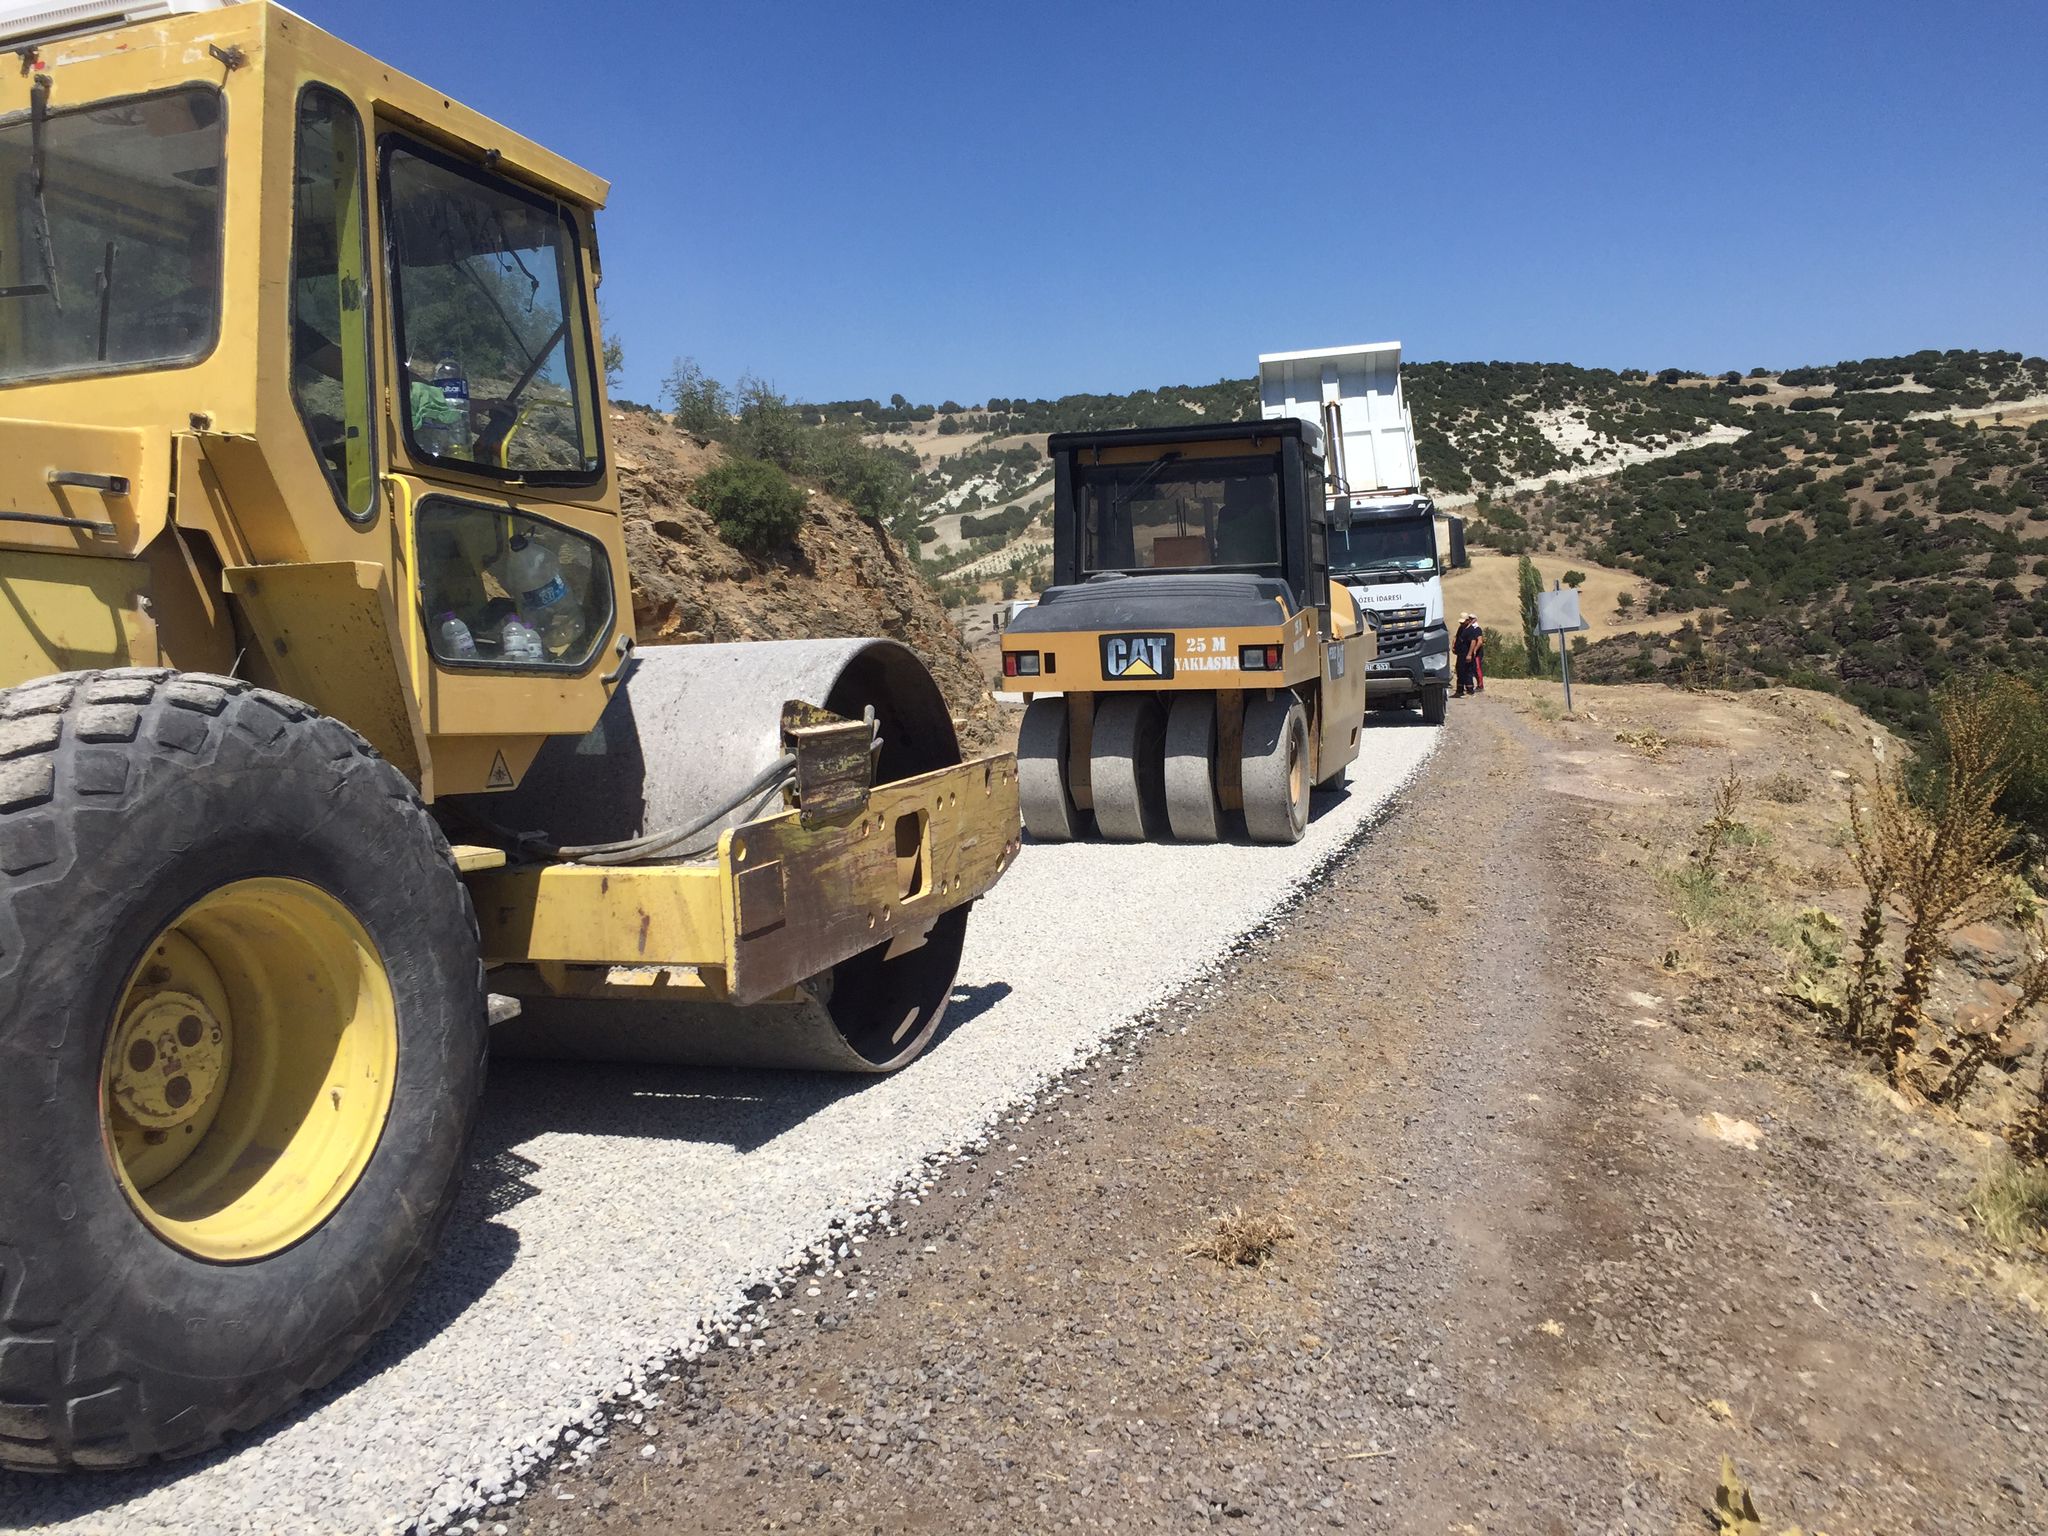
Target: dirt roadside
(1532, 1284)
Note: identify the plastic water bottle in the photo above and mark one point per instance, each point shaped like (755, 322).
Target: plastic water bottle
(517, 641)
(534, 578)
(454, 385)
(456, 643)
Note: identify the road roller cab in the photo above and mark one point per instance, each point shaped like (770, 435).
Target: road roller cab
(1193, 658)
(320, 718)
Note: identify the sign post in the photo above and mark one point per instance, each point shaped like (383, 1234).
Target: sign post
(1557, 613)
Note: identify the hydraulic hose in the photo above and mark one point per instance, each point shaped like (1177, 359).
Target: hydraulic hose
(643, 850)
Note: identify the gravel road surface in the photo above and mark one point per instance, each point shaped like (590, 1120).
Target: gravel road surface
(617, 1217)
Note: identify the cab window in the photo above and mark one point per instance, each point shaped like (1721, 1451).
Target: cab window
(331, 358)
(500, 588)
(1181, 514)
(110, 223)
(487, 285)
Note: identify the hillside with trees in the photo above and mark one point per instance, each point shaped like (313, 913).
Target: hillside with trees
(1872, 527)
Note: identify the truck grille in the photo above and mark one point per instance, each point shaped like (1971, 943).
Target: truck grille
(1400, 630)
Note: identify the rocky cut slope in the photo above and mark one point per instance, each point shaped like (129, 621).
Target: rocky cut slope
(845, 575)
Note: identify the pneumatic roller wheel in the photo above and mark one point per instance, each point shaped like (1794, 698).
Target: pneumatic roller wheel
(1045, 796)
(241, 1041)
(1192, 807)
(1127, 769)
(1276, 769)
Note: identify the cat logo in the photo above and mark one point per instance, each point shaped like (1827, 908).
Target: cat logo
(1135, 656)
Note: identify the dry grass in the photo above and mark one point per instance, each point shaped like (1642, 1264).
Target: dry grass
(1241, 1239)
(1785, 789)
(2012, 1208)
(1646, 741)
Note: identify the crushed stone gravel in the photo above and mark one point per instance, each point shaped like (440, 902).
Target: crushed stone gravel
(618, 1218)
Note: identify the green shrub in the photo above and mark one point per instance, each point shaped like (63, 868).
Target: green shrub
(701, 403)
(2021, 708)
(756, 508)
(1506, 657)
(765, 425)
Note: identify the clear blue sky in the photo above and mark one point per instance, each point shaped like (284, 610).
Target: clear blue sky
(973, 199)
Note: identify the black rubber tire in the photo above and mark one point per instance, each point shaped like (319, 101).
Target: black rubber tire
(1275, 769)
(1192, 808)
(124, 797)
(1046, 801)
(1434, 704)
(1127, 767)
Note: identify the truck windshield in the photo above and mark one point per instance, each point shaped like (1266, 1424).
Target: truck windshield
(1404, 547)
(488, 291)
(1175, 515)
(110, 245)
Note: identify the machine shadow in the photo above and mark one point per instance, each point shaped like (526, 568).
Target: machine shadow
(743, 1108)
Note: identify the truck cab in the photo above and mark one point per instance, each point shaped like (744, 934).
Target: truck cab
(1388, 543)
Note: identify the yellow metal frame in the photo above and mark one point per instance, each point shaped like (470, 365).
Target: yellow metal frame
(223, 546)
(216, 448)
(779, 901)
(1202, 659)
(1071, 660)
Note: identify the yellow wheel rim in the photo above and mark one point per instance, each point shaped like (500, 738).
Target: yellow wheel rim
(249, 1068)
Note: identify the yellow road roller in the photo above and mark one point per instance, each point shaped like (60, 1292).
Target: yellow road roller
(323, 738)
(1193, 664)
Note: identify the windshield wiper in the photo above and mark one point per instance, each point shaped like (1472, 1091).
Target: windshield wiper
(498, 309)
(1374, 570)
(1117, 502)
(504, 415)
(38, 113)
(38, 110)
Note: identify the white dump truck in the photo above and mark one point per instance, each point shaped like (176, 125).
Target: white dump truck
(1388, 543)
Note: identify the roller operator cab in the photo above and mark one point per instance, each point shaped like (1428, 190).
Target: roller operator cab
(1388, 543)
(1194, 662)
(320, 719)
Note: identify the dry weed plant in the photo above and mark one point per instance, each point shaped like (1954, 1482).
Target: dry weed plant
(1239, 1239)
(1716, 829)
(1940, 864)
(2028, 1134)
